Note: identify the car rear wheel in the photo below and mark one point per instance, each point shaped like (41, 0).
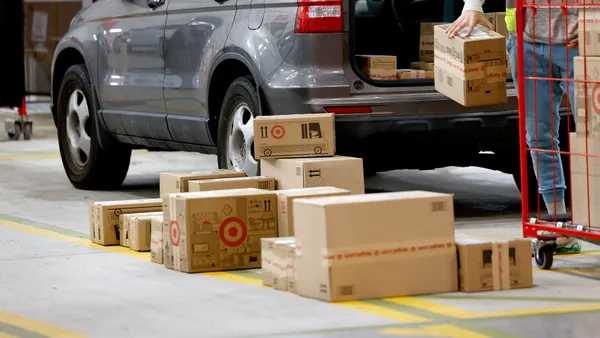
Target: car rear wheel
(236, 127)
(86, 164)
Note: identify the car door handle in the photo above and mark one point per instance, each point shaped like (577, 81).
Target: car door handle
(154, 4)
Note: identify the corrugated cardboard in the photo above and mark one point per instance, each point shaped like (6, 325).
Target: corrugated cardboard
(411, 74)
(377, 67)
(140, 229)
(258, 182)
(426, 45)
(472, 70)
(172, 183)
(267, 267)
(499, 22)
(104, 217)
(126, 226)
(338, 171)
(156, 240)
(285, 205)
(591, 91)
(218, 230)
(589, 32)
(284, 255)
(490, 262)
(422, 65)
(298, 135)
(585, 170)
(375, 245)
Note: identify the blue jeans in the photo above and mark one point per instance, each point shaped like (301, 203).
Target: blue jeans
(544, 100)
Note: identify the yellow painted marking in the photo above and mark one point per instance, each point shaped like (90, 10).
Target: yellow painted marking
(45, 127)
(440, 309)
(49, 155)
(36, 326)
(450, 331)
(542, 311)
(384, 312)
(6, 335)
(233, 277)
(576, 271)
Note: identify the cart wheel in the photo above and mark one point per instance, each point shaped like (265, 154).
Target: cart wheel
(545, 257)
(27, 130)
(17, 133)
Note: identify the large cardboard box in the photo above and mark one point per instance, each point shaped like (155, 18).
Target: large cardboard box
(338, 171)
(299, 135)
(585, 170)
(171, 183)
(375, 245)
(156, 240)
(377, 67)
(589, 32)
(587, 93)
(258, 182)
(426, 44)
(498, 19)
(104, 217)
(127, 222)
(285, 205)
(490, 262)
(471, 70)
(218, 230)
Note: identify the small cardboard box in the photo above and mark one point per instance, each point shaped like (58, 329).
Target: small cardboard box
(126, 226)
(422, 65)
(104, 217)
(156, 240)
(141, 232)
(218, 230)
(285, 208)
(411, 74)
(294, 136)
(375, 245)
(499, 22)
(583, 172)
(267, 266)
(258, 182)
(283, 256)
(471, 70)
(377, 67)
(589, 32)
(426, 45)
(338, 171)
(489, 262)
(172, 183)
(591, 91)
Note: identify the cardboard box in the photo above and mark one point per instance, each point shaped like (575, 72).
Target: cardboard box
(284, 252)
(411, 74)
(141, 232)
(499, 21)
(377, 67)
(172, 183)
(375, 245)
(589, 90)
(258, 182)
(471, 70)
(589, 32)
(422, 65)
(489, 262)
(156, 240)
(267, 266)
(338, 171)
(426, 45)
(127, 224)
(285, 205)
(294, 136)
(218, 230)
(582, 172)
(104, 217)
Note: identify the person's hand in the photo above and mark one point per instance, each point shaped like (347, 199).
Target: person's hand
(574, 44)
(468, 19)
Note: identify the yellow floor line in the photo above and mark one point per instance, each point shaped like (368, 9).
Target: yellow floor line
(29, 157)
(6, 335)
(384, 312)
(440, 309)
(233, 277)
(450, 331)
(542, 311)
(36, 326)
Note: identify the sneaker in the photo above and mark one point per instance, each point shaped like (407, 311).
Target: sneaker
(567, 246)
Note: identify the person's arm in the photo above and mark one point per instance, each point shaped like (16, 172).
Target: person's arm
(474, 5)
(472, 15)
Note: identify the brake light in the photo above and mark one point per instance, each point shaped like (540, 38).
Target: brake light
(348, 110)
(319, 16)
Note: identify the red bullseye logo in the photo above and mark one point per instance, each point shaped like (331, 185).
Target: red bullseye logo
(278, 132)
(596, 99)
(233, 232)
(175, 233)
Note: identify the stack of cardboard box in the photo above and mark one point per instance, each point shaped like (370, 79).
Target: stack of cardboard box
(377, 67)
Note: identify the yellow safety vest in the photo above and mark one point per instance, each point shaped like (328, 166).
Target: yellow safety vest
(511, 19)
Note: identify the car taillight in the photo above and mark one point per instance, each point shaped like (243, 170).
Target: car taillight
(319, 16)
(348, 110)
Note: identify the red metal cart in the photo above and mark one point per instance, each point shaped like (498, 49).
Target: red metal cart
(584, 137)
(20, 125)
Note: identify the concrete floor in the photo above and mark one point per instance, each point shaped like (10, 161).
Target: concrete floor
(54, 283)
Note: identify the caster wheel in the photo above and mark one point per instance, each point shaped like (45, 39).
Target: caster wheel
(545, 257)
(27, 130)
(15, 134)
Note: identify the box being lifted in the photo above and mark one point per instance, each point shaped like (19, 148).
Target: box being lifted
(471, 70)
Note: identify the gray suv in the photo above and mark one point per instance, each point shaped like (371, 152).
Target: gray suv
(192, 74)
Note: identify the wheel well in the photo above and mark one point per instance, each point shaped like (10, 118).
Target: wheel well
(67, 58)
(225, 73)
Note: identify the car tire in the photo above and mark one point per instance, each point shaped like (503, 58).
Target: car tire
(236, 127)
(87, 165)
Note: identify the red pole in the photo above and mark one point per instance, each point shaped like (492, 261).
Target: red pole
(521, 100)
(23, 108)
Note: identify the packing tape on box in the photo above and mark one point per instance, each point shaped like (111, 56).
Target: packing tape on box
(495, 73)
(500, 265)
(388, 252)
(471, 71)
